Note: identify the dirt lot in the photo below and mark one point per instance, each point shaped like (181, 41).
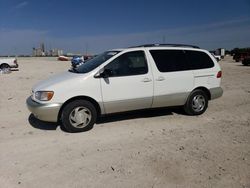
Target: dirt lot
(155, 148)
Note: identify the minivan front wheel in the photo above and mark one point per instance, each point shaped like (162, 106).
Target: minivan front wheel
(197, 103)
(79, 116)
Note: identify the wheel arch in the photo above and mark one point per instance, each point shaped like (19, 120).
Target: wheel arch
(205, 90)
(93, 101)
(4, 64)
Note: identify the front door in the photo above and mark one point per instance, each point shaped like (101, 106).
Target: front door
(129, 85)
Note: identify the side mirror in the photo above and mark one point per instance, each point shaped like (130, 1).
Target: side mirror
(105, 73)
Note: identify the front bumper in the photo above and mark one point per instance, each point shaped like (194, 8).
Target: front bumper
(44, 112)
(216, 92)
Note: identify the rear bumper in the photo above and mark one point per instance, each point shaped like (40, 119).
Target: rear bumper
(14, 66)
(216, 92)
(44, 112)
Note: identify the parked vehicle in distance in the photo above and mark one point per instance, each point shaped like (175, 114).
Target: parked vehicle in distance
(220, 52)
(8, 63)
(246, 60)
(77, 61)
(217, 57)
(240, 56)
(62, 58)
(141, 77)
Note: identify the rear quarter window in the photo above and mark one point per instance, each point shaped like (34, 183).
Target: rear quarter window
(198, 60)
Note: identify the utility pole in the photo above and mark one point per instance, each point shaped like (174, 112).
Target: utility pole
(86, 48)
(163, 39)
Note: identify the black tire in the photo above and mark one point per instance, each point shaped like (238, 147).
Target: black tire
(245, 63)
(196, 103)
(78, 111)
(4, 66)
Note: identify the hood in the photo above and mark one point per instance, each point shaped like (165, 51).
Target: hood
(50, 83)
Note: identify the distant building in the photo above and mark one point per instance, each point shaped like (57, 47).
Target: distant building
(55, 52)
(38, 52)
(42, 47)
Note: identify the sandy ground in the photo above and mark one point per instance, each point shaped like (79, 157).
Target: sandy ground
(155, 148)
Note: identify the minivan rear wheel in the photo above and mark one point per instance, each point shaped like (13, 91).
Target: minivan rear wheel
(196, 103)
(79, 116)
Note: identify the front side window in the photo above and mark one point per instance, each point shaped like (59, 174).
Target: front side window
(131, 63)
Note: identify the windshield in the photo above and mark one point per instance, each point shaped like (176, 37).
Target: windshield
(95, 62)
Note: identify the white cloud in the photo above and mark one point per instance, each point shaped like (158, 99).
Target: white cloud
(227, 35)
(21, 5)
(217, 35)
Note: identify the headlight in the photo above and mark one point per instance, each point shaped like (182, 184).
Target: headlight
(44, 95)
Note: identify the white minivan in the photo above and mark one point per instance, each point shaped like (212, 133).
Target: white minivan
(141, 77)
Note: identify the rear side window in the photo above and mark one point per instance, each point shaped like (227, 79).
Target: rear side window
(170, 60)
(199, 60)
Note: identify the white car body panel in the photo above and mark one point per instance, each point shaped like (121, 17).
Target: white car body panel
(127, 93)
(68, 85)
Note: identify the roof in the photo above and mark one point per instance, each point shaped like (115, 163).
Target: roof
(177, 46)
(166, 45)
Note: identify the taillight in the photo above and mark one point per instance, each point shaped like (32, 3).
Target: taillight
(219, 74)
(15, 61)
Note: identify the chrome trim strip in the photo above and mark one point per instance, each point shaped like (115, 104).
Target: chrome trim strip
(204, 76)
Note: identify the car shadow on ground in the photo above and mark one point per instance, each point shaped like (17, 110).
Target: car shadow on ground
(38, 124)
(241, 65)
(147, 113)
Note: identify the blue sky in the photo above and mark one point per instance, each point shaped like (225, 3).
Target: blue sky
(94, 26)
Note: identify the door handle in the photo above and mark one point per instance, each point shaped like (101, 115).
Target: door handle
(160, 78)
(146, 80)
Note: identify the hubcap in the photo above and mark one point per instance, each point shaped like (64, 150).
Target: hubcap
(198, 103)
(80, 117)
